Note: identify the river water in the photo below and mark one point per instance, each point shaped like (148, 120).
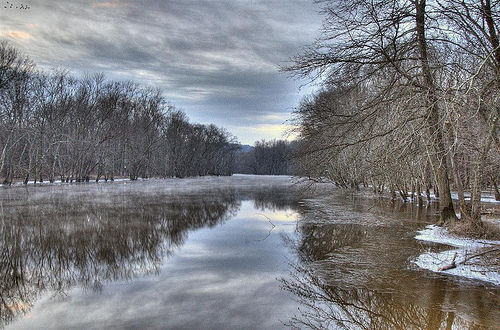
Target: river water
(243, 252)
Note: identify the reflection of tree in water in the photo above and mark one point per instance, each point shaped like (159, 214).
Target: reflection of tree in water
(332, 307)
(318, 241)
(275, 199)
(354, 276)
(56, 244)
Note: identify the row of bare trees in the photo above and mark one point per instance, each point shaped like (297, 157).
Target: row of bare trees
(267, 158)
(53, 126)
(409, 98)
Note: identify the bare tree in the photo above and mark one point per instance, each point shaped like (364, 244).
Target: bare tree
(408, 71)
(15, 89)
(55, 125)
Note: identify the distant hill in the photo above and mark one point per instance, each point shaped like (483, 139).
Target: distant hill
(246, 148)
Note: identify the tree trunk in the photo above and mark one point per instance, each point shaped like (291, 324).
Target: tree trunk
(420, 200)
(460, 189)
(447, 212)
(475, 214)
(393, 193)
(477, 180)
(497, 192)
(456, 174)
(8, 176)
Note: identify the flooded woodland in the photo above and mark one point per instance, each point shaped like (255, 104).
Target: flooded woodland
(246, 252)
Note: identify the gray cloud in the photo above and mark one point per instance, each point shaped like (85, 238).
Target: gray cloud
(216, 60)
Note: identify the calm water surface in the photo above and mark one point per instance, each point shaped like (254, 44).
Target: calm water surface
(222, 253)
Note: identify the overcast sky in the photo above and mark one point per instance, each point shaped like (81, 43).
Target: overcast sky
(217, 60)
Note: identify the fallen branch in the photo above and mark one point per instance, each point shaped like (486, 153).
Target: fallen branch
(477, 255)
(454, 265)
(450, 266)
(269, 234)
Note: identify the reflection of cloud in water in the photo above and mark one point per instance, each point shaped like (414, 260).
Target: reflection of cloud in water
(89, 245)
(194, 301)
(57, 237)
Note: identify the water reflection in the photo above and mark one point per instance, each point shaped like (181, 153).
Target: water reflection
(275, 199)
(350, 260)
(333, 307)
(320, 240)
(54, 243)
(353, 272)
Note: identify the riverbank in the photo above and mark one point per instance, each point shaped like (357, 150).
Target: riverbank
(485, 267)
(472, 258)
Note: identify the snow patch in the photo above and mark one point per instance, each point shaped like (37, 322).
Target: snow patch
(433, 261)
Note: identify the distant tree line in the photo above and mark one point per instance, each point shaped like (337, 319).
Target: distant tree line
(56, 127)
(267, 158)
(409, 100)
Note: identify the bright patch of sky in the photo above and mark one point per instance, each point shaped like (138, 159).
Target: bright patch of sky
(216, 60)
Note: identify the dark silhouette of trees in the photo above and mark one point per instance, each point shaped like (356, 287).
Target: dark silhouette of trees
(48, 248)
(267, 158)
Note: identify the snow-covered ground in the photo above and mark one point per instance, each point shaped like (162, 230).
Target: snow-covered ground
(486, 197)
(464, 247)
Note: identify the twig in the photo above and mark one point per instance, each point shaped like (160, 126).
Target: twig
(477, 255)
(270, 230)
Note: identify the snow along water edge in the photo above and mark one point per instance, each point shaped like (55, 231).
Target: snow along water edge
(465, 247)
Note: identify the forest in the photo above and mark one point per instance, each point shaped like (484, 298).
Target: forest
(274, 157)
(56, 127)
(408, 101)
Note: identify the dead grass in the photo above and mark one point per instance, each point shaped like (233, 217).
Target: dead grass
(473, 229)
(488, 257)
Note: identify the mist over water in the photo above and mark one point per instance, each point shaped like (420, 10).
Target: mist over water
(238, 252)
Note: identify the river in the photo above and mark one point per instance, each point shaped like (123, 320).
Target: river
(241, 252)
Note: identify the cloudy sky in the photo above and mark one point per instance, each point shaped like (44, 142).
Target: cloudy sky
(217, 60)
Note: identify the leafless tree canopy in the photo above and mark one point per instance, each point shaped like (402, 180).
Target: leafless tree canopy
(267, 158)
(408, 100)
(53, 126)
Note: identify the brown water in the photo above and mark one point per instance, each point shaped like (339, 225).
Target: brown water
(356, 271)
(222, 253)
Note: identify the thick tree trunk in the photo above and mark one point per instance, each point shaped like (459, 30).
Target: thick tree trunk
(490, 21)
(447, 211)
(492, 116)
(439, 158)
